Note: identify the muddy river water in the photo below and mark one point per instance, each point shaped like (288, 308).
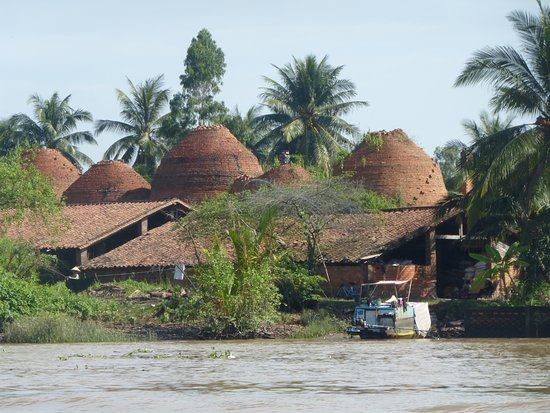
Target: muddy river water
(334, 374)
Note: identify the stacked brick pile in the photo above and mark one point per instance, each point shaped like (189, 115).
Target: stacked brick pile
(396, 166)
(52, 164)
(108, 181)
(286, 174)
(205, 163)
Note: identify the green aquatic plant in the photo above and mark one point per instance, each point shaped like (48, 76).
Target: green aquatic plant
(221, 355)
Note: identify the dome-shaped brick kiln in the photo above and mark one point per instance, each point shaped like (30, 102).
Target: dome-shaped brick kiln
(285, 174)
(52, 164)
(205, 163)
(391, 164)
(108, 181)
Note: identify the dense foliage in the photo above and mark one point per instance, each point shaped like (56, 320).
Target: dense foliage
(21, 259)
(20, 297)
(24, 191)
(448, 158)
(509, 168)
(298, 287)
(236, 295)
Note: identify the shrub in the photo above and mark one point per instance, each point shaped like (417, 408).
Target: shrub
(21, 259)
(20, 297)
(528, 292)
(58, 328)
(228, 300)
(319, 324)
(297, 287)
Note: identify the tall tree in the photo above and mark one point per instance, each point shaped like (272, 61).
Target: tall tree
(306, 109)
(54, 126)
(142, 145)
(201, 82)
(513, 163)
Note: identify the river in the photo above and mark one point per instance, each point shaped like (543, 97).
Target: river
(332, 375)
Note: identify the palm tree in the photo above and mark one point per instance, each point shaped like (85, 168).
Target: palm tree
(305, 111)
(513, 163)
(451, 157)
(10, 135)
(488, 125)
(141, 114)
(53, 127)
(243, 125)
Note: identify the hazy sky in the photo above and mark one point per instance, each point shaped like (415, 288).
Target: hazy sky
(403, 56)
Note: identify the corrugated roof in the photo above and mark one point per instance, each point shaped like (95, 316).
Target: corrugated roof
(347, 238)
(83, 225)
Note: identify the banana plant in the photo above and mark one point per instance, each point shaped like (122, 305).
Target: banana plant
(500, 266)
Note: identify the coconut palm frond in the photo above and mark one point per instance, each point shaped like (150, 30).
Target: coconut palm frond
(141, 113)
(304, 110)
(54, 125)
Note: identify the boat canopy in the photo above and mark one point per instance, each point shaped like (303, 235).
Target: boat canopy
(394, 283)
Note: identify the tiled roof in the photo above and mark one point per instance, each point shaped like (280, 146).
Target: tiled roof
(347, 238)
(85, 224)
(158, 247)
(351, 238)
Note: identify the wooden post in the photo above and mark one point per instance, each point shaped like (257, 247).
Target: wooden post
(430, 248)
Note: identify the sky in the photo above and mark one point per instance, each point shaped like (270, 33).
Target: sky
(403, 56)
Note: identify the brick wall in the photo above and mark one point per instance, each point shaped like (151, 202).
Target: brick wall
(344, 274)
(424, 277)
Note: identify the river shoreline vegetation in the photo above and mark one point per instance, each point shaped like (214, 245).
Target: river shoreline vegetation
(246, 285)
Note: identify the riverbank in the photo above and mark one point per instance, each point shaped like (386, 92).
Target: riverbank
(131, 311)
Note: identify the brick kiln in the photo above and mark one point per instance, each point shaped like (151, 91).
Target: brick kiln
(108, 181)
(205, 163)
(285, 174)
(52, 164)
(396, 167)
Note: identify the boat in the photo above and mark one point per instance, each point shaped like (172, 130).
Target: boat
(397, 317)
